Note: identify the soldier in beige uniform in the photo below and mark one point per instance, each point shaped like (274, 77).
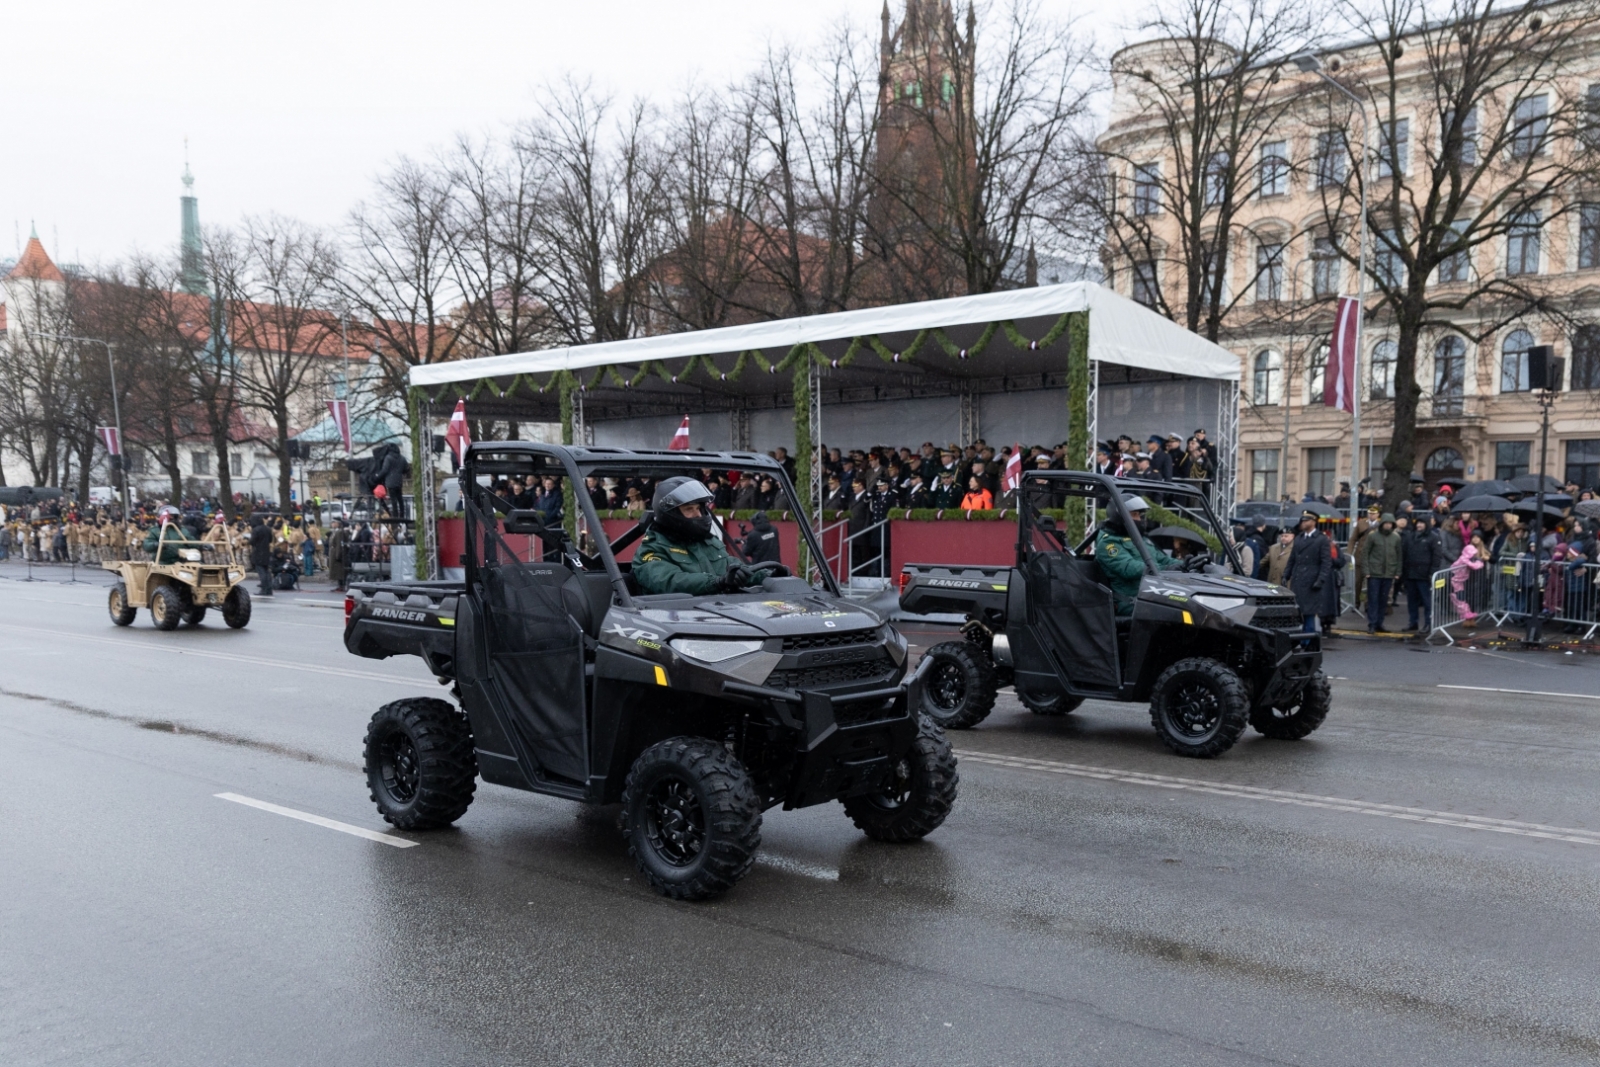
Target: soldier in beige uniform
(74, 538)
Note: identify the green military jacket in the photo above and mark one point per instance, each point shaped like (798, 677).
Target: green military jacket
(169, 547)
(1382, 558)
(1119, 560)
(663, 565)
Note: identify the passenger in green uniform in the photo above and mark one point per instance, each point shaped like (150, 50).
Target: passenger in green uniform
(682, 554)
(1118, 557)
(167, 519)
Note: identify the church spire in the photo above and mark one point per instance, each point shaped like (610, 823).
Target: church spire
(193, 260)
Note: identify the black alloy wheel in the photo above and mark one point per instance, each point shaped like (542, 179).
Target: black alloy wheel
(917, 797)
(398, 768)
(675, 824)
(692, 817)
(420, 765)
(1199, 707)
(959, 688)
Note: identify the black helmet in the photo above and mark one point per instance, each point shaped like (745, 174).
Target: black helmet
(672, 494)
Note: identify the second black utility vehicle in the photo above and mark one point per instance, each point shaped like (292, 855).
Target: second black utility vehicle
(695, 712)
(1208, 648)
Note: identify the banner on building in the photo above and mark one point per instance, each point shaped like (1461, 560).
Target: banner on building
(458, 437)
(340, 410)
(680, 440)
(1339, 377)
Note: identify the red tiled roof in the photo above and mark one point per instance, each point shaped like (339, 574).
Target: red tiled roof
(36, 263)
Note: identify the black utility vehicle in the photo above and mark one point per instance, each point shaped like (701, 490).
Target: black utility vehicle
(696, 713)
(1207, 647)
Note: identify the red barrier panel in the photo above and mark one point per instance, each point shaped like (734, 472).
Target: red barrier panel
(910, 541)
(951, 541)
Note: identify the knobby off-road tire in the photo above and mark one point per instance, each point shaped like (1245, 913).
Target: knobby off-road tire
(122, 612)
(692, 818)
(195, 614)
(236, 607)
(1299, 717)
(1199, 707)
(1048, 704)
(420, 766)
(958, 691)
(924, 790)
(166, 608)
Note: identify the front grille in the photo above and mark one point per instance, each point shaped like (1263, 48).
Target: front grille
(864, 711)
(1277, 613)
(810, 641)
(870, 670)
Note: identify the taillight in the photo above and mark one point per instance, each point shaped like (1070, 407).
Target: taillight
(349, 607)
(903, 581)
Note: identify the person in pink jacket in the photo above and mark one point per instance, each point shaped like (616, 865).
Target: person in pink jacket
(1471, 559)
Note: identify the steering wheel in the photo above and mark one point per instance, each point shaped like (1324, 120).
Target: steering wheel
(770, 569)
(1197, 562)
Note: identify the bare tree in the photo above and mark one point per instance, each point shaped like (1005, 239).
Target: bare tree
(1205, 99)
(276, 278)
(1485, 159)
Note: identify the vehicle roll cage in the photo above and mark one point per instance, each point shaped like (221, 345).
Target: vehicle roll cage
(1109, 492)
(577, 463)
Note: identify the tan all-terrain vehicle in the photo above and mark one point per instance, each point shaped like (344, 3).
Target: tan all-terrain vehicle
(184, 580)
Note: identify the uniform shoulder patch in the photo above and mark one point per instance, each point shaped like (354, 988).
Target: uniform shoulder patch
(649, 557)
(1111, 549)
(679, 551)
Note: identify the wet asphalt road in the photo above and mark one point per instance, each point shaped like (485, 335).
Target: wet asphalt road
(1349, 899)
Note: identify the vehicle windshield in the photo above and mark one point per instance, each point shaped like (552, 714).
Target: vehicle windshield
(600, 510)
(1179, 520)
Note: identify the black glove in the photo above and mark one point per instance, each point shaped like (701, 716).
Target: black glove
(773, 570)
(1316, 587)
(737, 578)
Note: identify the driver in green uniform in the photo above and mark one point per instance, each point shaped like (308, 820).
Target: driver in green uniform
(682, 553)
(168, 520)
(1118, 557)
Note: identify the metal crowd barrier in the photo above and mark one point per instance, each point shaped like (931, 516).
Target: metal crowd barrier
(1504, 592)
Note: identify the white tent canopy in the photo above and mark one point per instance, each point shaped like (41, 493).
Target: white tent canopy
(1120, 332)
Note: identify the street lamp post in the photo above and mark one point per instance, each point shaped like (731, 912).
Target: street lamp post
(116, 410)
(1309, 63)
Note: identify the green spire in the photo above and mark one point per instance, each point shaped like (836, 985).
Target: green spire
(194, 273)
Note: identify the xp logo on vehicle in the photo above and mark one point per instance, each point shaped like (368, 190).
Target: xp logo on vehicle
(630, 634)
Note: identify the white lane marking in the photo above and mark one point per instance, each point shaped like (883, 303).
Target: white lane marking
(1521, 692)
(1280, 796)
(784, 863)
(161, 646)
(318, 820)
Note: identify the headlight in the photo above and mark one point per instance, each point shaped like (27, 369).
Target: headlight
(186, 576)
(235, 576)
(894, 642)
(1236, 608)
(191, 555)
(712, 651)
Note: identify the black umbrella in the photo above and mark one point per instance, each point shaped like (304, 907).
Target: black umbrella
(1528, 507)
(1491, 487)
(1453, 482)
(1560, 500)
(1316, 507)
(1591, 508)
(1180, 532)
(1529, 483)
(1481, 502)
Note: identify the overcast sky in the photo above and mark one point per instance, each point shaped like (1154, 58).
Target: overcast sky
(293, 106)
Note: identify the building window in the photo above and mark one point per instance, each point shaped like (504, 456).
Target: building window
(1510, 460)
(1275, 168)
(1589, 122)
(1147, 189)
(1443, 463)
(1456, 264)
(1394, 147)
(202, 463)
(1583, 463)
(1328, 165)
(1266, 386)
(235, 464)
(1588, 236)
(1269, 270)
(1387, 264)
(1530, 125)
(1264, 474)
(1522, 242)
(1586, 357)
(1322, 472)
(1384, 355)
(1514, 361)
(1468, 151)
(1316, 374)
(1216, 179)
(1449, 375)
(1144, 283)
(1324, 268)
